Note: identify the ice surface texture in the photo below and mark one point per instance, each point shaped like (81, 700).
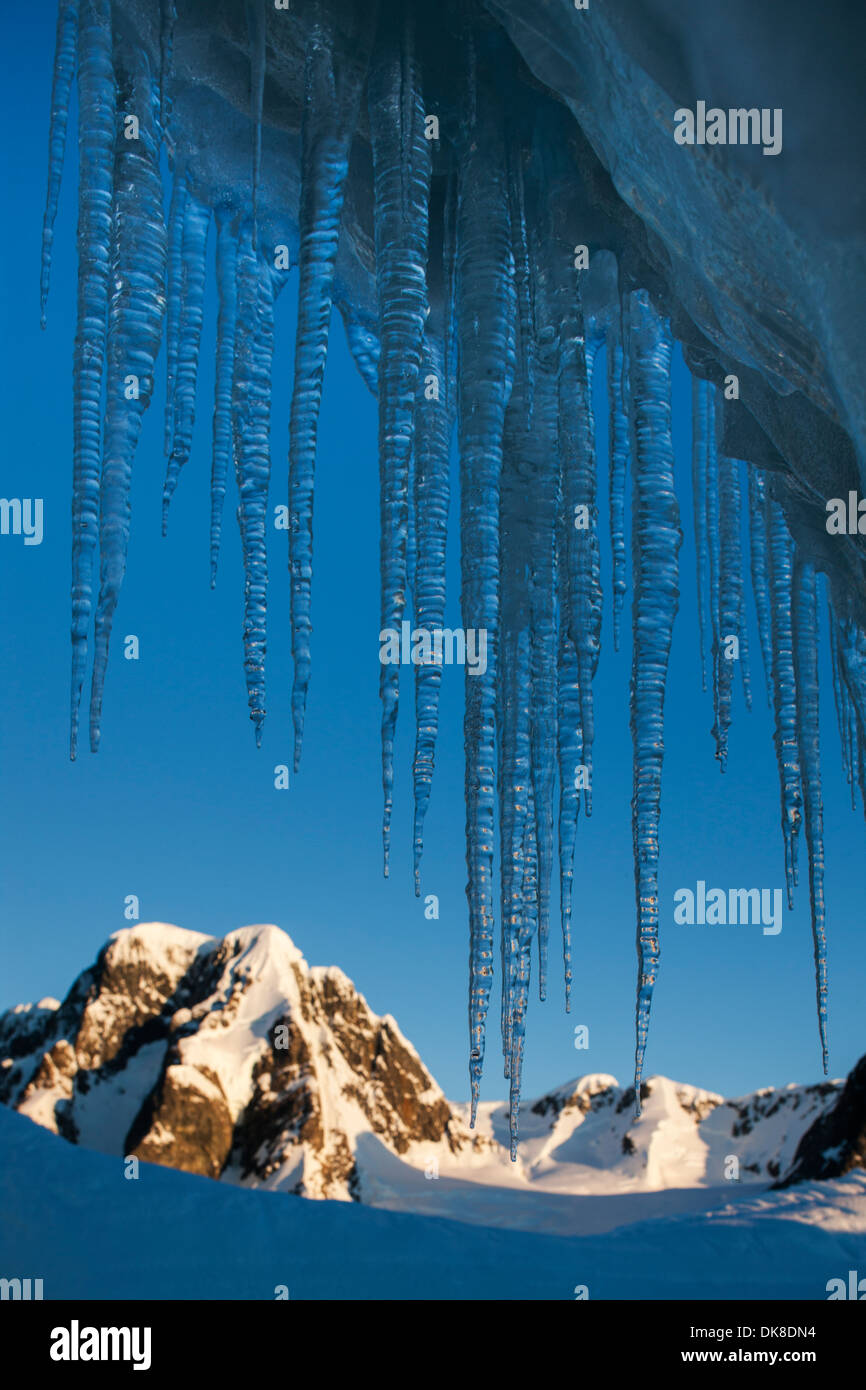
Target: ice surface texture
(453, 249)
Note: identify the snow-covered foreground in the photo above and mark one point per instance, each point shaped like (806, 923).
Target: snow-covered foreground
(70, 1217)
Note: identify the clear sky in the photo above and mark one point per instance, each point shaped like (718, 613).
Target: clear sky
(180, 808)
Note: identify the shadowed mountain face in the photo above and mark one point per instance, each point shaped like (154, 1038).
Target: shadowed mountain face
(835, 1143)
(234, 1059)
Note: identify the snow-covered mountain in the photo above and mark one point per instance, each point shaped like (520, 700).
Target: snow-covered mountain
(232, 1058)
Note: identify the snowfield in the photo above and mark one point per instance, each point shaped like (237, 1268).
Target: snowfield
(71, 1218)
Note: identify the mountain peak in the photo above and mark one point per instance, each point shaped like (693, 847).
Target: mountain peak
(225, 1056)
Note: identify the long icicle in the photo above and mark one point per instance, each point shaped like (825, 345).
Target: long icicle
(523, 968)
(845, 716)
(226, 270)
(524, 469)
(656, 539)
(540, 375)
(331, 104)
(513, 706)
(134, 333)
(700, 446)
(579, 500)
(851, 656)
(434, 426)
(544, 640)
(434, 423)
(780, 553)
(65, 53)
(711, 503)
(251, 410)
(730, 604)
(738, 559)
(617, 372)
(760, 573)
(485, 331)
(196, 221)
(96, 134)
(805, 631)
(570, 757)
(173, 298)
(401, 173)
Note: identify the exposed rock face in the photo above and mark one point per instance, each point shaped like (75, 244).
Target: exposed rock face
(836, 1142)
(233, 1059)
(186, 1123)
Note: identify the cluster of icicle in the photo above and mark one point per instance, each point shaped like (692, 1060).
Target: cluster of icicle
(485, 299)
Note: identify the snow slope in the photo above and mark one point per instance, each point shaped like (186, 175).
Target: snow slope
(71, 1218)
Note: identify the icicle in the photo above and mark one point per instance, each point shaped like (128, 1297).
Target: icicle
(61, 88)
(363, 345)
(845, 717)
(541, 470)
(433, 426)
(579, 501)
(851, 646)
(711, 501)
(570, 756)
(738, 562)
(730, 623)
(96, 134)
(257, 30)
(850, 643)
(760, 580)
(226, 269)
(188, 318)
(401, 172)
(251, 409)
(523, 968)
(656, 539)
(522, 276)
(167, 21)
(618, 454)
(328, 123)
(514, 774)
(520, 683)
(485, 332)
(174, 298)
(805, 630)
(134, 332)
(784, 691)
(700, 449)
(565, 546)
(861, 769)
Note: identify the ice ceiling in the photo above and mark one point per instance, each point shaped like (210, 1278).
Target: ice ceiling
(487, 193)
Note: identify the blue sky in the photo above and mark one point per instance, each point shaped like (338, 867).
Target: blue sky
(180, 808)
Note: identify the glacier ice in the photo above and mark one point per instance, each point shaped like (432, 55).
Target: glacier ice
(488, 195)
